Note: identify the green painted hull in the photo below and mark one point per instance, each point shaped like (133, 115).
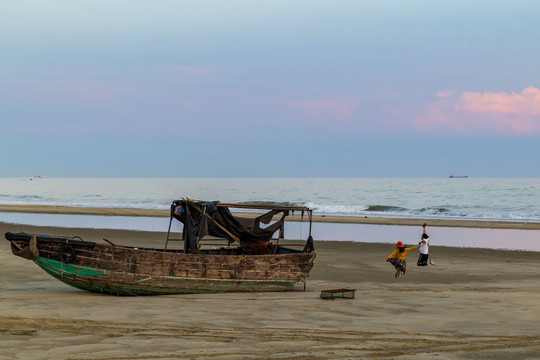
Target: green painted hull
(124, 270)
(124, 283)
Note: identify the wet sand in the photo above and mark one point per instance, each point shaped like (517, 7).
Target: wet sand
(475, 304)
(487, 224)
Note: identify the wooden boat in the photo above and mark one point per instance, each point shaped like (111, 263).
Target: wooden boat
(249, 260)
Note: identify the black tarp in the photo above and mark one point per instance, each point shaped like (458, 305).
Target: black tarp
(202, 218)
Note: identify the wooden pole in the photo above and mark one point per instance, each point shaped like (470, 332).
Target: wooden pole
(214, 221)
(264, 207)
(110, 242)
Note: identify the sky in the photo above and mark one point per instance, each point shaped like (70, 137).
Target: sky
(342, 88)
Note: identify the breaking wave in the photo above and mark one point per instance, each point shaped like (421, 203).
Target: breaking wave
(490, 198)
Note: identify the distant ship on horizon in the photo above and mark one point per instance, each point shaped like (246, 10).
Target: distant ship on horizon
(458, 176)
(38, 177)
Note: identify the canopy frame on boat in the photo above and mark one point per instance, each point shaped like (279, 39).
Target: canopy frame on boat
(202, 218)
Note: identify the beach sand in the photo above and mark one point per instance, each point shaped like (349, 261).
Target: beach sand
(475, 304)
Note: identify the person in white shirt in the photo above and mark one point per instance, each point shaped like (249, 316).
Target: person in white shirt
(423, 259)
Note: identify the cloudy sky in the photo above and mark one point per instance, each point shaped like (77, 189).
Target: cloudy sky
(270, 88)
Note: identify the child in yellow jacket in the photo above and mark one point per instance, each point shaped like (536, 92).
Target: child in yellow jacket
(397, 258)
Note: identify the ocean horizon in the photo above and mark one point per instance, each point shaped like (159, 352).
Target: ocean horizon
(504, 199)
(501, 199)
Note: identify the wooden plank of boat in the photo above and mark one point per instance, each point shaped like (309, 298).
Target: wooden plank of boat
(121, 270)
(125, 283)
(255, 264)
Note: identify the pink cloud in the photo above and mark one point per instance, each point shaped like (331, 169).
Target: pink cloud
(473, 112)
(526, 103)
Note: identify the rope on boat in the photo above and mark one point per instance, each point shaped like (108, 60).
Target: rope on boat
(69, 249)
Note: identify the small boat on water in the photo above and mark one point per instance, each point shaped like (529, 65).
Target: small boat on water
(458, 176)
(247, 259)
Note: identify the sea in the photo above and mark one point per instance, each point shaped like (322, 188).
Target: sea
(501, 199)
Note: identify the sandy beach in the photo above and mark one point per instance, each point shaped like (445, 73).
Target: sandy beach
(475, 304)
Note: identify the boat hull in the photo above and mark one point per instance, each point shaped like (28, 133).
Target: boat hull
(120, 270)
(121, 283)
